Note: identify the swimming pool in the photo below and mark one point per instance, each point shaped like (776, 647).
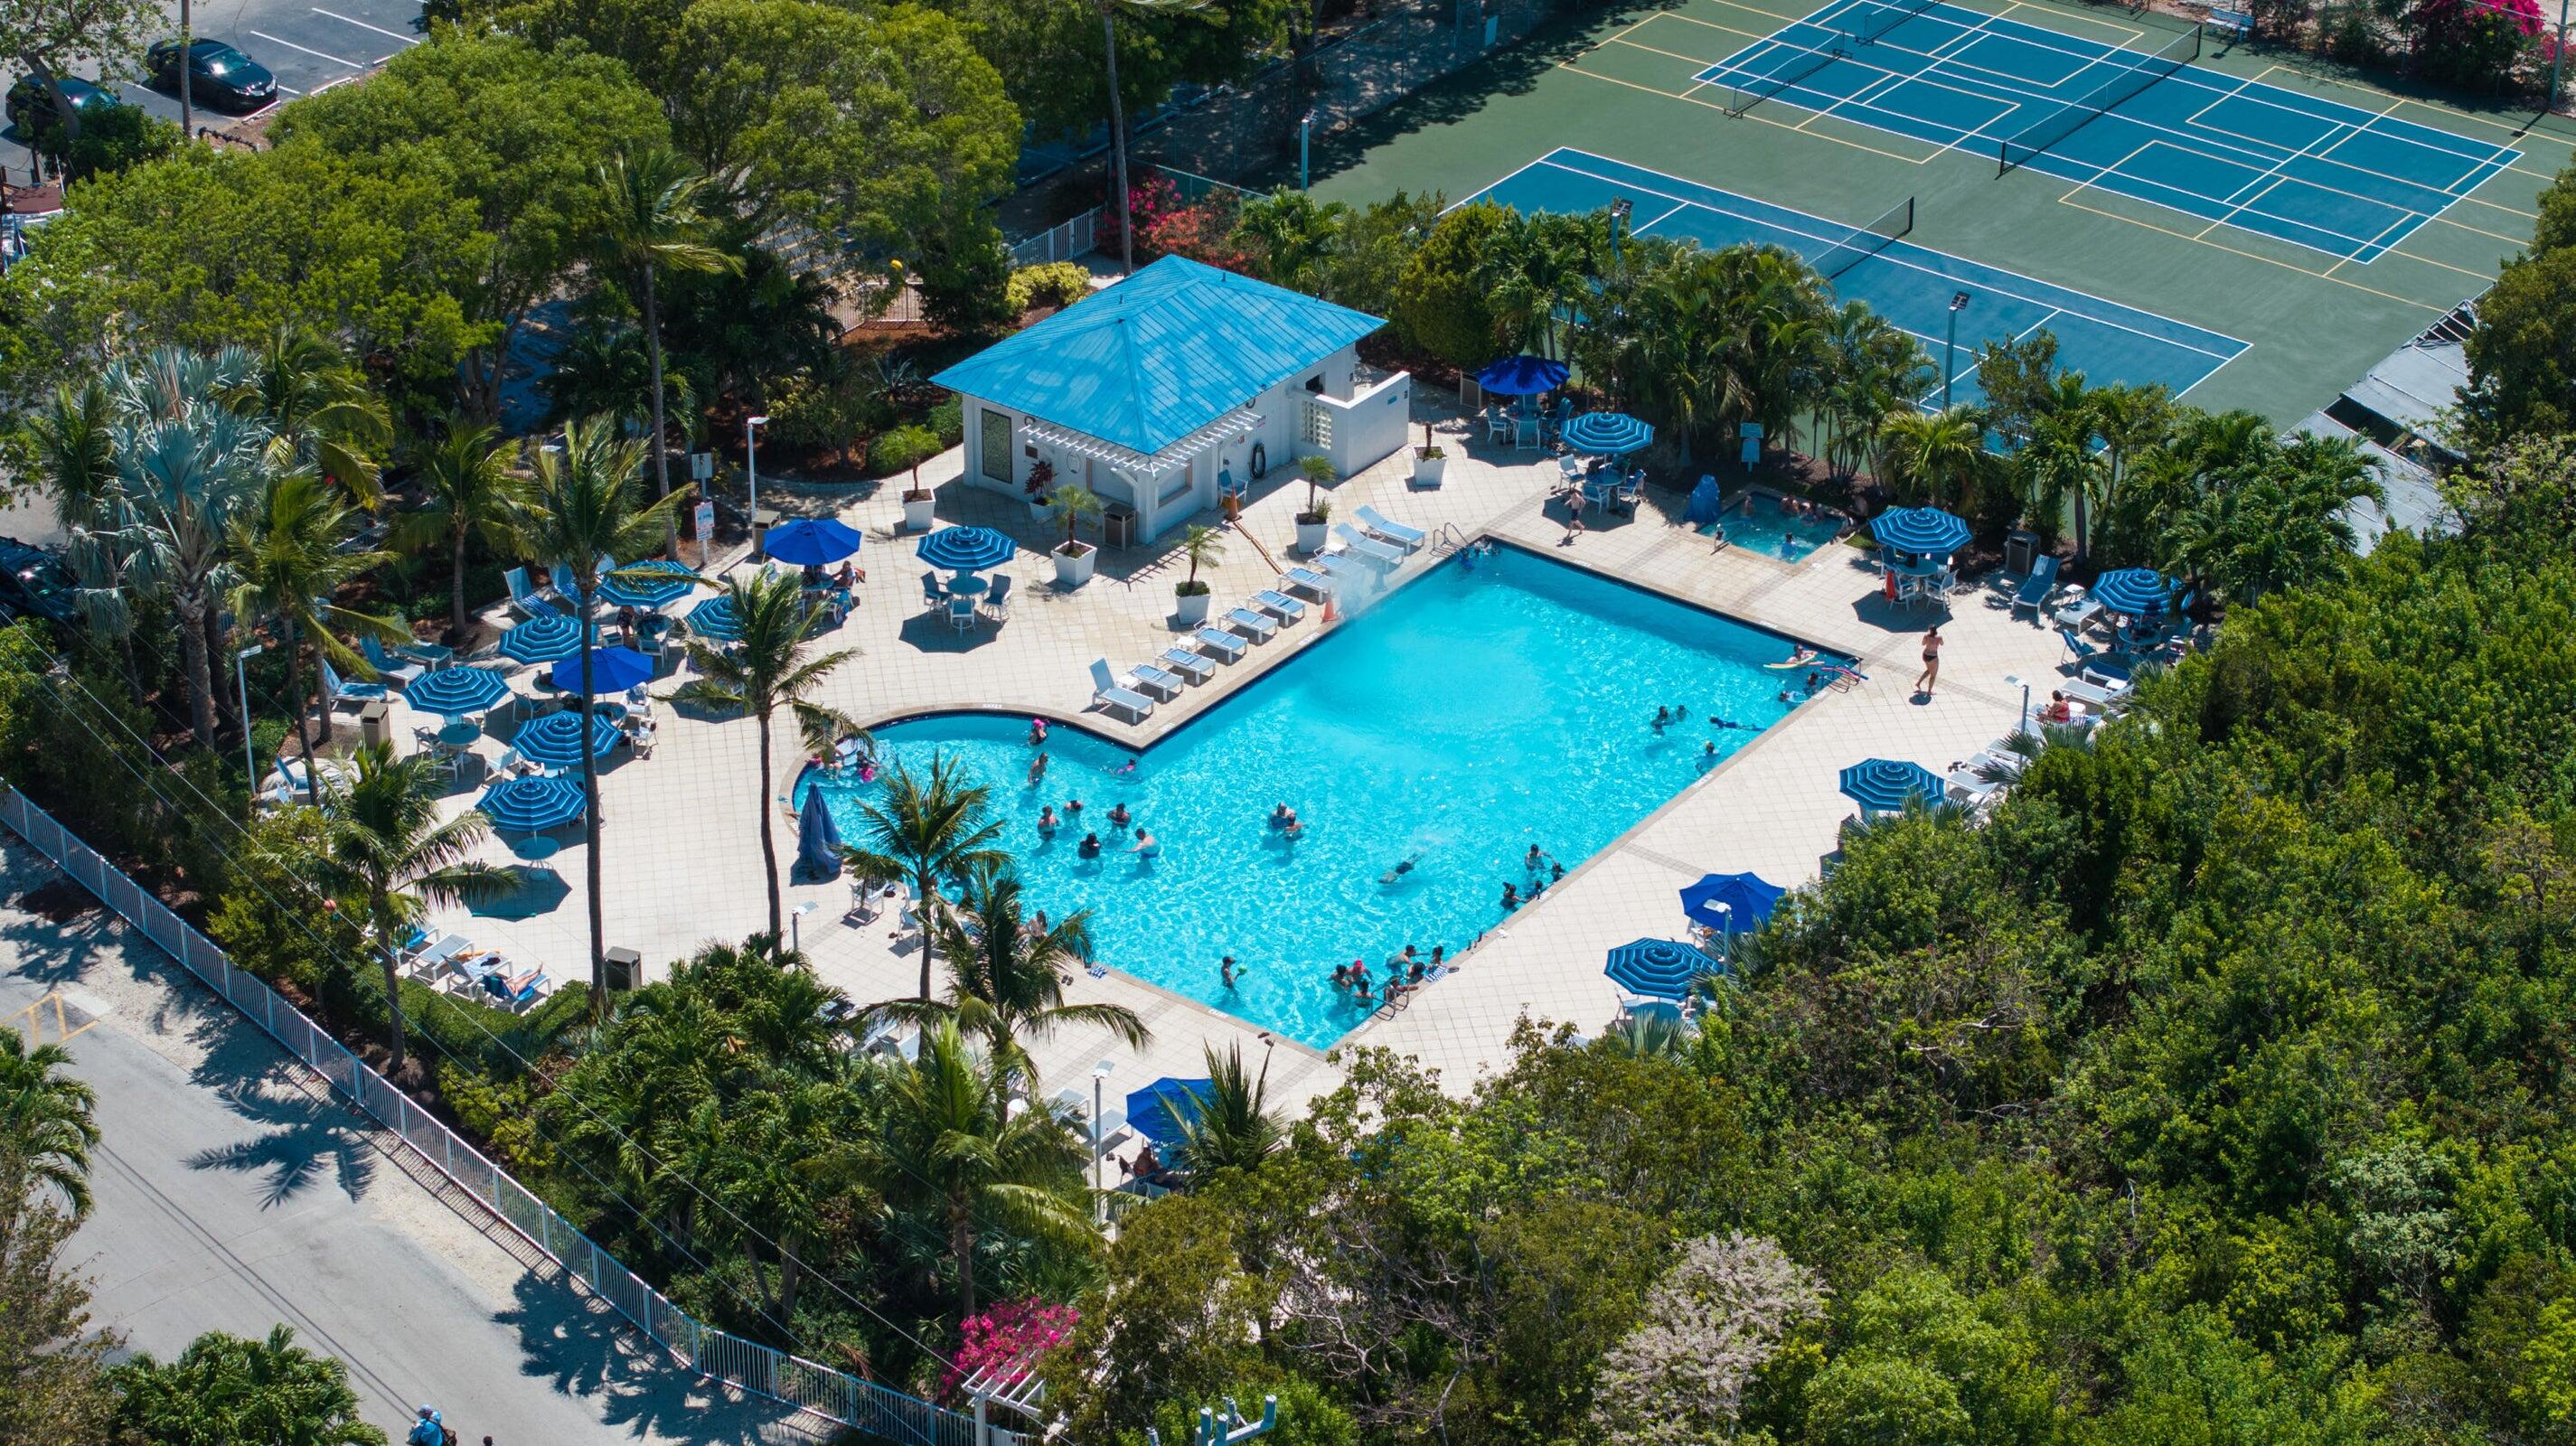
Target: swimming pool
(1767, 531)
(1491, 704)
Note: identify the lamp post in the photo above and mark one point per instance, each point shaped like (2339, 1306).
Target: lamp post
(241, 690)
(1950, 348)
(1099, 1188)
(751, 474)
(796, 926)
(2014, 680)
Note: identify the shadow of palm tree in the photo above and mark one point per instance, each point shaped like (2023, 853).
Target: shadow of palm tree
(305, 1138)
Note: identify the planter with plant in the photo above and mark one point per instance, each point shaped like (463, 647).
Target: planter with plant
(1034, 491)
(1202, 545)
(1429, 462)
(1072, 505)
(908, 447)
(1310, 523)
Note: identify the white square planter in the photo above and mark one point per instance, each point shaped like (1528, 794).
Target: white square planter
(1073, 569)
(917, 508)
(1310, 537)
(1427, 471)
(1191, 609)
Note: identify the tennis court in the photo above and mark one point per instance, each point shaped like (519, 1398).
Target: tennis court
(1912, 286)
(2335, 178)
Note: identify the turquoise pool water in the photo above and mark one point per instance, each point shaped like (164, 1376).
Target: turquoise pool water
(1474, 712)
(1769, 532)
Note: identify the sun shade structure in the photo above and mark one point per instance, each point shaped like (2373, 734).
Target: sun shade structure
(555, 739)
(1658, 968)
(1609, 434)
(455, 692)
(810, 541)
(653, 585)
(716, 621)
(612, 670)
(1883, 785)
(1927, 530)
(1731, 901)
(542, 639)
(966, 549)
(2133, 591)
(531, 805)
(1522, 376)
(1157, 1110)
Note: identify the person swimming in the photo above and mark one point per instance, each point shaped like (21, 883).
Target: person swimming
(1555, 871)
(1091, 845)
(1047, 821)
(1130, 767)
(1037, 769)
(1283, 817)
(1037, 732)
(1511, 895)
(1530, 860)
(1341, 976)
(1072, 806)
(1225, 970)
(1118, 816)
(1663, 719)
(1402, 867)
(1147, 845)
(1295, 829)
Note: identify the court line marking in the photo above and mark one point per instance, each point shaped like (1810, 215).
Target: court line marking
(1550, 160)
(317, 54)
(362, 25)
(1689, 99)
(2519, 133)
(2275, 176)
(2325, 275)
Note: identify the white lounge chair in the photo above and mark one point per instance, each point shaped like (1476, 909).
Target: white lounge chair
(1368, 547)
(1251, 624)
(1402, 536)
(1312, 581)
(1190, 665)
(1106, 691)
(1335, 564)
(1151, 679)
(1221, 644)
(2094, 694)
(1279, 605)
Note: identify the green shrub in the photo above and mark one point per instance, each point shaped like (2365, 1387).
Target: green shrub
(813, 413)
(948, 420)
(904, 447)
(1057, 283)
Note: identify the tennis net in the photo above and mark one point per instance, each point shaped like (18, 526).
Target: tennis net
(1800, 64)
(1866, 241)
(1880, 17)
(2018, 149)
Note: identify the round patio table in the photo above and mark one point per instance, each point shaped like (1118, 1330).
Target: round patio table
(459, 733)
(969, 585)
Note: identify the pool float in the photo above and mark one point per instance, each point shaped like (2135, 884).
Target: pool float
(1798, 659)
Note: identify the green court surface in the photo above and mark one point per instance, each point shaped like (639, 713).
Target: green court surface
(1650, 88)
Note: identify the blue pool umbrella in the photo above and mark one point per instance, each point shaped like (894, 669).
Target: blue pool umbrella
(612, 670)
(966, 549)
(1522, 376)
(1882, 785)
(818, 840)
(810, 541)
(715, 620)
(555, 739)
(1919, 529)
(1157, 1110)
(1610, 434)
(2133, 591)
(1658, 968)
(542, 639)
(530, 805)
(652, 585)
(1747, 900)
(456, 691)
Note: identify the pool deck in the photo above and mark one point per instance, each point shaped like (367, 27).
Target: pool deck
(682, 852)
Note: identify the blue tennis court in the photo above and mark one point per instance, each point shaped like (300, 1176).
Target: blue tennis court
(1912, 286)
(2149, 124)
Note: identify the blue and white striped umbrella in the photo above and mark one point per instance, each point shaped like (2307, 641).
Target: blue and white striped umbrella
(1919, 529)
(1609, 434)
(1658, 968)
(455, 692)
(966, 549)
(651, 585)
(530, 805)
(542, 639)
(715, 620)
(1158, 1110)
(1882, 785)
(2133, 591)
(555, 739)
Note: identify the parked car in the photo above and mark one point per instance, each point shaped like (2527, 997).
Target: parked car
(30, 107)
(35, 581)
(218, 75)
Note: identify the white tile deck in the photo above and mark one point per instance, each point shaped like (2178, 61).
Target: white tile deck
(682, 854)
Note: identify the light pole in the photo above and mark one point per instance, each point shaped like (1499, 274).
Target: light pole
(751, 473)
(796, 926)
(1950, 348)
(2014, 680)
(241, 690)
(1099, 1186)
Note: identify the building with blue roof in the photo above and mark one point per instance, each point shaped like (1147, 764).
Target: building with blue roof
(1167, 389)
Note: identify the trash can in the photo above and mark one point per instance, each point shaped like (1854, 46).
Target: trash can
(375, 723)
(2021, 552)
(1118, 527)
(624, 969)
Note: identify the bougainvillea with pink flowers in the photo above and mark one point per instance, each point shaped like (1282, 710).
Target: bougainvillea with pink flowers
(1006, 1333)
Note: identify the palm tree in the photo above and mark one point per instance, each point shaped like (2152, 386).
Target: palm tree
(2128, 419)
(1109, 11)
(1937, 457)
(769, 668)
(1204, 546)
(383, 844)
(230, 1388)
(45, 1117)
(75, 461)
(472, 487)
(927, 829)
(581, 508)
(287, 563)
(952, 1144)
(651, 222)
(1232, 1129)
(321, 409)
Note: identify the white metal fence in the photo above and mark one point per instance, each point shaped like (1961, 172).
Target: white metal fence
(875, 1409)
(1062, 241)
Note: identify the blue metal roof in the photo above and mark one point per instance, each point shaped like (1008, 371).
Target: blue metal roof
(1159, 355)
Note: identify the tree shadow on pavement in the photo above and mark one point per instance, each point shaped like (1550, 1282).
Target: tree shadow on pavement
(582, 1347)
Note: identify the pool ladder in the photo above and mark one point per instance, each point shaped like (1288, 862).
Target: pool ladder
(1447, 540)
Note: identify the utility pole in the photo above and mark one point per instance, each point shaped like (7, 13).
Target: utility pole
(187, 58)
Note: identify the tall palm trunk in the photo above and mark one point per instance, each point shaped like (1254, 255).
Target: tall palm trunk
(382, 908)
(768, 839)
(191, 606)
(456, 594)
(961, 1243)
(662, 453)
(590, 812)
(926, 888)
(295, 700)
(1118, 154)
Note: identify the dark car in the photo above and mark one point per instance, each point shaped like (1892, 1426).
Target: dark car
(31, 109)
(35, 581)
(217, 74)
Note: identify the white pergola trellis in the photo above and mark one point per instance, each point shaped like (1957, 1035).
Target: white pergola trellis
(1143, 466)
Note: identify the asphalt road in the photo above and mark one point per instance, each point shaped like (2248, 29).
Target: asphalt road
(233, 1193)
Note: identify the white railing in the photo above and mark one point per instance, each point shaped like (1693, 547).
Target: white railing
(1060, 242)
(844, 1398)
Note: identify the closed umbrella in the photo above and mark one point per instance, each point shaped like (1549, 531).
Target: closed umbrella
(966, 549)
(716, 621)
(1658, 968)
(1157, 1110)
(650, 585)
(1522, 376)
(1608, 434)
(454, 692)
(1731, 901)
(2133, 591)
(612, 670)
(1882, 785)
(542, 639)
(810, 541)
(818, 841)
(530, 805)
(555, 740)
(1927, 530)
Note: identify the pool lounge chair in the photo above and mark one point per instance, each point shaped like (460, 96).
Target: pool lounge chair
(2094, 694)
(1335, 564)
(1105, 691)
(2076, 612)
(1354, 541)
(339, 692)
(1257, 626)
(1308, 580)
(1221, 644)
(1279, 605)
(2032, 595)
(1151, 679)
(387, 667)
(528, 598)
(1402, 536)
(1190, 665)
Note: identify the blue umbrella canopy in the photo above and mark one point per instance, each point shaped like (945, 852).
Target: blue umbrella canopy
(2135, 591)
(818, 842)
(1919, 529)
(716, 620)
(1522, 376)
(966, 549)
(1611, 434)
(1156, 1111)
(542, 639)
(810, 541)
(1658, 968)
(655, 584)
(456, 691)
(529, 805)
(1882, 785)
(1748, 900)
(612, 670)
(555, 739)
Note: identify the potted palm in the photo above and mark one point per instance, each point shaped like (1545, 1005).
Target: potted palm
(1202, 545)
(1072, 505)
(1310, 523)
(1429, 462)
